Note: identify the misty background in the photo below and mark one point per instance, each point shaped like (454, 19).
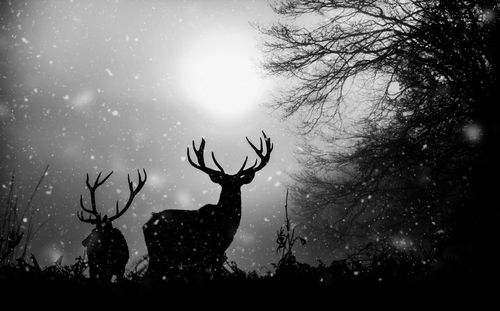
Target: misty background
(90, 86)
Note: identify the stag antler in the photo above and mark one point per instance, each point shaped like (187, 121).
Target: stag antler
(264, 158)
(201, 160)
(92, 188)
(93, 211)
(133, 193)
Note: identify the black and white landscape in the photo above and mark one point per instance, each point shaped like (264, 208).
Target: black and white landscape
(335, 148)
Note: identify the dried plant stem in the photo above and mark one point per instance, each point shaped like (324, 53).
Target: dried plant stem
(32, 214)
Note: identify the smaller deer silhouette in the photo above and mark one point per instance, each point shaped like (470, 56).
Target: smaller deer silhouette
(107, 248)
(196, 240)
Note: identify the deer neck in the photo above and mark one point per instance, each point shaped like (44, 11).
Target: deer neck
(230, 203)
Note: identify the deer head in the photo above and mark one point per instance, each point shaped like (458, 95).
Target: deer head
(244, 175)
(95, 217)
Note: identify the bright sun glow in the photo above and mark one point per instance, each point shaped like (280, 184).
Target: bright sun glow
(219, 73)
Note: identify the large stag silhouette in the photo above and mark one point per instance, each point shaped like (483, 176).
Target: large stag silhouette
(106, 246)
(197, 239)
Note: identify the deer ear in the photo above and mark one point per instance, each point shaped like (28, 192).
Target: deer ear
(247, 178)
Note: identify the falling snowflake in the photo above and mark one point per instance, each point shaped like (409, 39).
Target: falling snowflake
(109, 72)
(472, 132)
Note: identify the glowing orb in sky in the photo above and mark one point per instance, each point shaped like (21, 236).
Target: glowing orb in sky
(219, 74)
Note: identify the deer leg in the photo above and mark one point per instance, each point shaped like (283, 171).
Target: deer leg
(120, 274)
(92, 271)
(212, 265)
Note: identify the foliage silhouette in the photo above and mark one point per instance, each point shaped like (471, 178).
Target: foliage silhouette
(17, 223)
(373, 271)
(285, 241)
(422, 160)
(182, 242)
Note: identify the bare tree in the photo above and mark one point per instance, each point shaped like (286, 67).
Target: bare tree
(412, 164)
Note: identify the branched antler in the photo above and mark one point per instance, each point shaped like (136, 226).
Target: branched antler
(264, 157)
(133, 193)
(94, 216)
(93, 211)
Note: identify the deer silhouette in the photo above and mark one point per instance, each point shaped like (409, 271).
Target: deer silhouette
(196, 240)
(107, 248)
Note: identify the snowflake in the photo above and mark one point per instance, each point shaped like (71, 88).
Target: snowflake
(472, 132)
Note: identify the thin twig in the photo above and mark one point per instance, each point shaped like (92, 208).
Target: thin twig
(32, 213)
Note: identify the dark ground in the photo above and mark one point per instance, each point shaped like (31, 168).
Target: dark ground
(318, 286)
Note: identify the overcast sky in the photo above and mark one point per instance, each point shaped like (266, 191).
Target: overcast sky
(89, 86)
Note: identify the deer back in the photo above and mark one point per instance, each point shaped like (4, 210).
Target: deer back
(107, 245)
(182, 233)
